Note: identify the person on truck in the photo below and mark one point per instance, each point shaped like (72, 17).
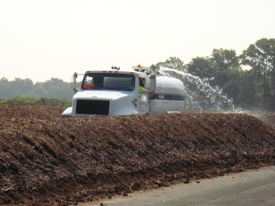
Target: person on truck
(88, 86)
(88, 83)
(142, 89)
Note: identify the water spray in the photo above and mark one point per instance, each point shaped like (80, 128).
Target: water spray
(215, 95)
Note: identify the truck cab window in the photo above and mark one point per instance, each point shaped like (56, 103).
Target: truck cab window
(105, 81)
(142, 82)
(88, 83)
(142, 85)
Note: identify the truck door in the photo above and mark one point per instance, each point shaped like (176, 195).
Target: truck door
(143, 98)
(143, 103)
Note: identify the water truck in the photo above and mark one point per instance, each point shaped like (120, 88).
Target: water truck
(141, 90)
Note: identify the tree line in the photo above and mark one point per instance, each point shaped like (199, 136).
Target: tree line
(248, 79)
(15, 90)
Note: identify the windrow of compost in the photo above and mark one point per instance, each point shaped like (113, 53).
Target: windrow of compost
(49, 160)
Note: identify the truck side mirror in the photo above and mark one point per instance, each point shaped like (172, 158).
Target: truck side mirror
(74, 82)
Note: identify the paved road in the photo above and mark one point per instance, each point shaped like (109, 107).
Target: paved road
(250, 188)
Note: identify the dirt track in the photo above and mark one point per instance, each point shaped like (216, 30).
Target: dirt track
(46, 159)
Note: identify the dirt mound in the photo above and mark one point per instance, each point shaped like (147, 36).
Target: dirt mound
(46, 159)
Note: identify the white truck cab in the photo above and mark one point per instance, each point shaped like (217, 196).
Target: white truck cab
(115, 92)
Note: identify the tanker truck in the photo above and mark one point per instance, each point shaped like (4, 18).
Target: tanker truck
(141, 90)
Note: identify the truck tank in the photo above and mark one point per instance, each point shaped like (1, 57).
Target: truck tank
(169, 95)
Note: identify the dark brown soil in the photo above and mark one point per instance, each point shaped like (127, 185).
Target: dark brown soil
(49, 160)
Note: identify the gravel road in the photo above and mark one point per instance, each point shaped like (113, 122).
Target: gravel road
(253, 187)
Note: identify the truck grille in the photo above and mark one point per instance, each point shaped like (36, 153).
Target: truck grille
(92, 107)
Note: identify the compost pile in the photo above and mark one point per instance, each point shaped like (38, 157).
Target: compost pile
(49, 160)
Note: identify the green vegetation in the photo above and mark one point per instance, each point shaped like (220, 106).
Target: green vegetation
(41, 101)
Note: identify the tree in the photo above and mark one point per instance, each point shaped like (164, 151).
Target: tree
(224, 62)
(261, 58)
(39, 91)
(3, 90)
(25, 88)
(221, 69)
(201, 67)
(21, 87)
(4, 80)
(173, 62)
(215, 68)
(58, 88)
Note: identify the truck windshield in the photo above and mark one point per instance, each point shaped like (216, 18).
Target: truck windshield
(108, 81)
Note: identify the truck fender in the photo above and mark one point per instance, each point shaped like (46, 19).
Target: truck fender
(127, 111)
(67, 112)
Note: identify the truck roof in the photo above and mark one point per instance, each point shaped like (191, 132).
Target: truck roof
(117, 71)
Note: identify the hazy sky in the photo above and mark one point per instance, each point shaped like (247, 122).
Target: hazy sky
(40, 39)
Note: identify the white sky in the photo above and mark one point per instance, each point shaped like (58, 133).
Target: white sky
(40, 39)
